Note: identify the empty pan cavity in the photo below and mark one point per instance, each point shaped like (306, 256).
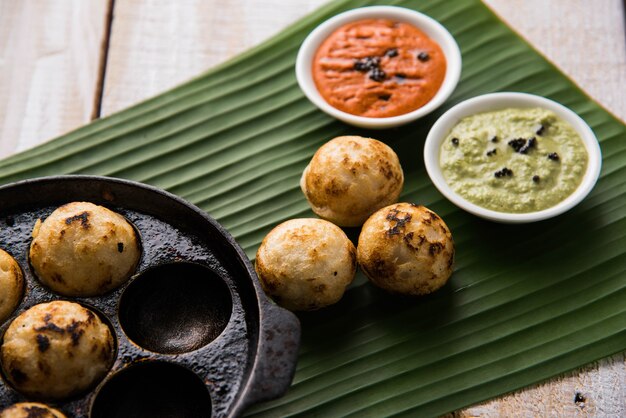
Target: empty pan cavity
(152, 390)
(246, 355)
(175, 308)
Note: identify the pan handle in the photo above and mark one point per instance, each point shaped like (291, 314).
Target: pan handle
(277, 354)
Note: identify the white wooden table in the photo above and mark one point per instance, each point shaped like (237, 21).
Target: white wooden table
(66, 62)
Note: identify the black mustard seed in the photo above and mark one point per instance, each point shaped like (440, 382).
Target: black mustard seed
(392, 52)
(377, 74)
(517, 143)
(522, 145)
(529, 144)
(579, 400)
(360, 66)
(367, 64)
(455, 141)
(423, 56)
(539, 130)
(504, 172)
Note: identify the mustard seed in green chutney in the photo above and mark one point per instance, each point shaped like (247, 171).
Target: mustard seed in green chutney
(513, 160)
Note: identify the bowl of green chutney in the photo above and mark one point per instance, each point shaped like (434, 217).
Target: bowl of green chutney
(512, 157)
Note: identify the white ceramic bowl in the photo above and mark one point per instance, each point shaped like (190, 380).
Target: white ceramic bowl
(495, 101)
(432, 28)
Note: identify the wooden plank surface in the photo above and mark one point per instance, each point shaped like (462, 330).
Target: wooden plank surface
(158, 44)
(49, 67)
(585, 38)
(50, 55)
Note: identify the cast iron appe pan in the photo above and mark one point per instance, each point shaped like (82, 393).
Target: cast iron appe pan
(273, 333)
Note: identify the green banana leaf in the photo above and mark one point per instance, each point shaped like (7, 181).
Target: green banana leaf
(525, 302)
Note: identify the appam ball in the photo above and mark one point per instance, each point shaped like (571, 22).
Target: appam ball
(406, 249)
(30, 410)
(351, 177)
(11, 285)
(83, 249)
(306, 264)
(56, 350)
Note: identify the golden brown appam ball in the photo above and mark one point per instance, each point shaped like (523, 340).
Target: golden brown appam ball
(306, 264)
(56, 350)
(83, 249)
(11, 285)
(351, 177)
(30, 410)
(406, 249)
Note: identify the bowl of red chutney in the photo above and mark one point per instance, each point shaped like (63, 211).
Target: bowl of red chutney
(378, 67)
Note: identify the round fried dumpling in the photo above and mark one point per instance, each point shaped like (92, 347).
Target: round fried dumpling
(351, 177)
(306, 264)
(56, 350)
(406, 249)
(30, 410)
(11, 285)
(82, 249)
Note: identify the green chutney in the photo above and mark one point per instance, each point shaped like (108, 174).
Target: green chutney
(514, 160)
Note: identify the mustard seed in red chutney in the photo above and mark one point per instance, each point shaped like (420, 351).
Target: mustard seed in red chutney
(378, 68)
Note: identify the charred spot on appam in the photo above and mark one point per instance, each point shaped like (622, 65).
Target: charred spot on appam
(82, 217)
(43, 343)
(406, 249)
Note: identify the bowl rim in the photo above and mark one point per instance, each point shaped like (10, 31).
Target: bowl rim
(432, 28)
(502, 100)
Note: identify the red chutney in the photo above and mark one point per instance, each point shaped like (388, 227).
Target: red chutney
(378, 68)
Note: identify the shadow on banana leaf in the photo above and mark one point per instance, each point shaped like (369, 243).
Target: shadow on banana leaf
(517, 258)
